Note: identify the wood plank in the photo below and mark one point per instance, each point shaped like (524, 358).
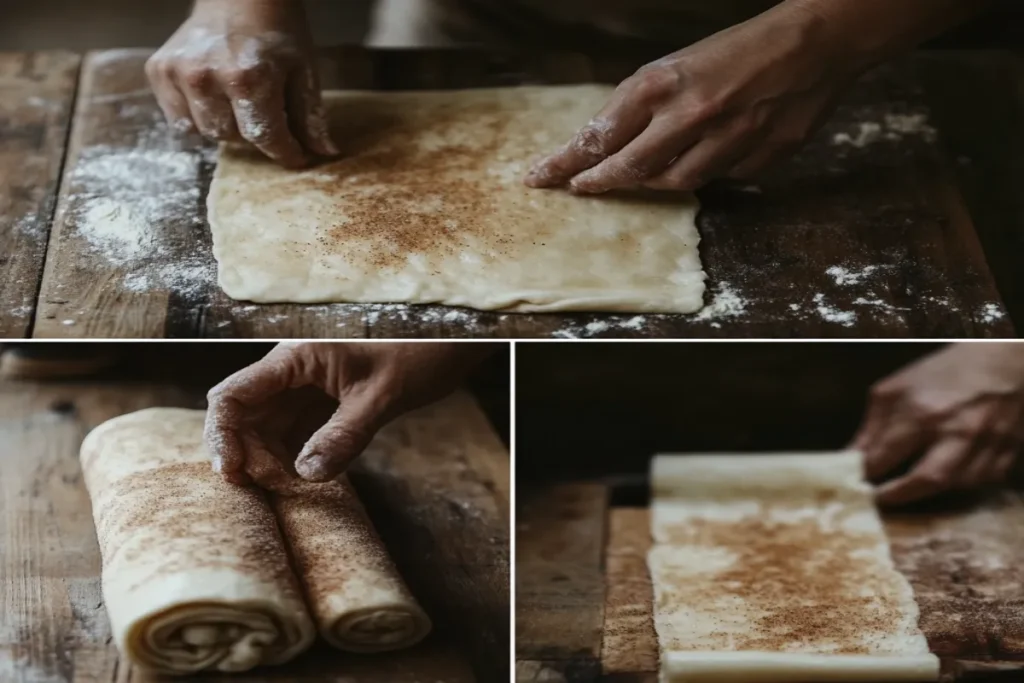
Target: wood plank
(982, 123)
(630, 642)
(37, 91)
(966, 564)
(437, 484)
(54, 626)
(560, 583)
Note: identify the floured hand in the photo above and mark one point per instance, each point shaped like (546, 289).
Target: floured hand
(243, 70)
(309, 409)
(959, 413)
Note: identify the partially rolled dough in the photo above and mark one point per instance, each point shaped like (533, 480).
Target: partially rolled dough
(776, 569)
(196, 574)
(427, 205)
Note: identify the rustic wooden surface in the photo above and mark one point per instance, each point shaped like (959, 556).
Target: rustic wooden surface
(37, 91)
(888, 212)
(54, 627)
(966, 565)
(560, 540)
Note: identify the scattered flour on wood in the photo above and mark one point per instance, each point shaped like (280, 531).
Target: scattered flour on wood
(833, 315)
(878, 303)
(727, 303)
(991, 312)
(634, 323)
(894, 127)
(845, 277)
(130, 206)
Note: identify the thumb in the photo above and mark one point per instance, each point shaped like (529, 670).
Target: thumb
(334, 446)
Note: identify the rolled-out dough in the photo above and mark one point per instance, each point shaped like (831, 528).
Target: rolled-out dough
(776, 568)
(427, 205)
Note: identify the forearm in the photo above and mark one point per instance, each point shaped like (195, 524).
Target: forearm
(874, 30)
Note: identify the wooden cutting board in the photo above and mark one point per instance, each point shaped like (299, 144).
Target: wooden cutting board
(444, 520)
(863, 234)
(583, 592)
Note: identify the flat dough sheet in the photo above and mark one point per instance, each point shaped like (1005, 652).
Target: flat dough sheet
(427, 205)
(777, 568)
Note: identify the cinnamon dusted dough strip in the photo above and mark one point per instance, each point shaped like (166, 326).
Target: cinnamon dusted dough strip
(777, 568)
(195, 573)
(357, 597)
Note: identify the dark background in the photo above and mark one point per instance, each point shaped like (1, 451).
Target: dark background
(599, 409)
(204, 364)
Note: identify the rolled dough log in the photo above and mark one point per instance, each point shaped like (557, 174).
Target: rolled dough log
(357, 597)
(195, 573)
(775, 569)
(427, 205)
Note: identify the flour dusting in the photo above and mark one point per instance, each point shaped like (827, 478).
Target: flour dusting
(130, 207)
(634, 323)
(845, 277)
(991, 312)
(893, 128)
(833, 315)
(727, 303)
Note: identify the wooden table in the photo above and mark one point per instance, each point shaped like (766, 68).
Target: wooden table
(583, 592)
(866, 233)
(444, 520)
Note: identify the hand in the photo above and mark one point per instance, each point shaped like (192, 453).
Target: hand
(729, 105)
(310, 409)
(243, 70)
(961, 409)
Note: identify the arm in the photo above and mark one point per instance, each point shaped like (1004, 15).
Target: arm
(244, 70)
(732, 104)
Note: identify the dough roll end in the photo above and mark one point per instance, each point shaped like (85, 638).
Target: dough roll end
(358, 599)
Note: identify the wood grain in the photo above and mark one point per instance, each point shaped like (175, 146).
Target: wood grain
(448, 478)
(55, 627)
(36, 95)
(560, 583)
(887, 211)
(630, 643)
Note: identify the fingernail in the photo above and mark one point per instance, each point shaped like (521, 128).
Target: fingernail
(313, 468)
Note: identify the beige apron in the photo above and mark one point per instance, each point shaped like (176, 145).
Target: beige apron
(556, 24)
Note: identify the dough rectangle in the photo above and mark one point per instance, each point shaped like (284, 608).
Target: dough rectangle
(427, 204)
(777, 568)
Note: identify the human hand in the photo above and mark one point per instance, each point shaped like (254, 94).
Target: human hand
(729, 105)
(961, 409)
(244, 70)
(311, 408)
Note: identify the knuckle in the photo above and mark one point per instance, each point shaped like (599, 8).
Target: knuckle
(591, 140)
(655, 83)
(248, 77)
(934, 478)
(197, 77)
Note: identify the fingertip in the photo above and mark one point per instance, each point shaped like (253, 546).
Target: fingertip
(316, 468)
